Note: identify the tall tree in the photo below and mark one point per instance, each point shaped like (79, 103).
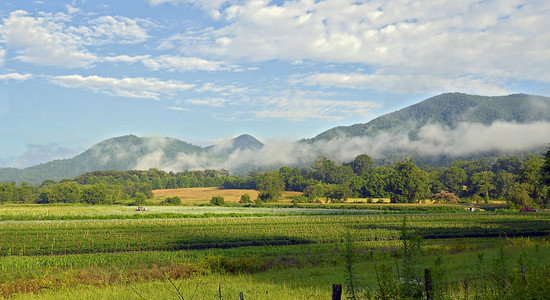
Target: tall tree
(483, 183)
(362, 165)
(545, 169)
(453, 178)
(271, 186)
(408, 183)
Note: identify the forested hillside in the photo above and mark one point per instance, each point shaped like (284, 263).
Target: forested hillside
(449, 110)
(519, 181)
(435, 132)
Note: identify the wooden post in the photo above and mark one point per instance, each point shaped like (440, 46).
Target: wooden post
(336, 291)
(241, 295)
(428, 284)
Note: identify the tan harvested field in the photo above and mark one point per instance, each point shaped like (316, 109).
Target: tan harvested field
(203, 195)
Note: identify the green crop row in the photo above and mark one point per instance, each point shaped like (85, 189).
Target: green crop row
(63, 237)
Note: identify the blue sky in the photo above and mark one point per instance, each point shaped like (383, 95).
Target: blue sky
(73, 73)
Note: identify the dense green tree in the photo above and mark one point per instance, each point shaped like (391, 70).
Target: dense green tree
(530, 174)
(504, 184)
(519, 196)
(362, 165)
(270, 186)
(510, 164)
(314, 191)
(7, 192)
(545, 169)
(357, 186)
(408, 183)
(375, 183)
(337, 192)
(94, 194)
(453, 179)
(483, 183)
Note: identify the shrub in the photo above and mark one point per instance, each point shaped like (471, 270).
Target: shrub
(172, 201)
(245, 199)
(217, 200)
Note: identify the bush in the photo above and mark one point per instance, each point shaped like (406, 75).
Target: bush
(245, 199)
(217, 200)
(172, 201)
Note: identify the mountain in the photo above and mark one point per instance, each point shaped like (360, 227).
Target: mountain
(449, 110)
(434, 132)
(121, 153)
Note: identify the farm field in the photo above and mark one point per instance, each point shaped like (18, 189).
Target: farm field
(200, 252)
(196, 196)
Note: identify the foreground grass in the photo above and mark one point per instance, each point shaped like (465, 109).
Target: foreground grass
(311, 280)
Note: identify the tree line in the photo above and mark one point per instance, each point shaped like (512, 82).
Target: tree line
(521, 181)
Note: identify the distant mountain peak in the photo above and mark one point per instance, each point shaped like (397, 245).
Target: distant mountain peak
(246, 141)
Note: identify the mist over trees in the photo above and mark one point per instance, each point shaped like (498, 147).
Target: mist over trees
(520, 181)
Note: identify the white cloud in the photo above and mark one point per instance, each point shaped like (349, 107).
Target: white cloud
(178, 63)
(216, 102)
(177, 108)
(147, 88)
(114, 29)
(405, 83)
(2, 54)
(300, 107)
(453, 43)
(465, 140)
(173, 63)
(42, 41)
(15, 76)
(51, 39)
(126, 58)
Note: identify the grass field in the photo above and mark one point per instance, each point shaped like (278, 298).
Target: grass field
(194, 196)
(114, 252)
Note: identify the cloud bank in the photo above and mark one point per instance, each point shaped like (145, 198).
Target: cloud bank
(467, 139)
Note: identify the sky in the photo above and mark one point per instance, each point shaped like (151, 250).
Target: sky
(74, 73)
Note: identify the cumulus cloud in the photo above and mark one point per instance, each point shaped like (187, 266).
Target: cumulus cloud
(114, 29)
(15, 76)
(147, 88)
(433, 140)
(42, 41)
(51, 39)
(451, 43)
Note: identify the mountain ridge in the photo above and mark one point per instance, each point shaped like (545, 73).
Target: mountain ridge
(447, 112)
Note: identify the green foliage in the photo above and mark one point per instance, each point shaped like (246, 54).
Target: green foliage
(172, 201)
(408, 183)
(410, 265)
(270, 186)
(245, 198)
(217, 201)
(483, 183)
(350, 277)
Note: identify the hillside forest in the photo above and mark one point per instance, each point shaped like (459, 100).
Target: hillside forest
(520, 181)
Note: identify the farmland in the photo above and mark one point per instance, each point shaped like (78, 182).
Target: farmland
(56, 252)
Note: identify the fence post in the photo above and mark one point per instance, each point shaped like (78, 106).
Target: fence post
(428, 284)
(336, 291)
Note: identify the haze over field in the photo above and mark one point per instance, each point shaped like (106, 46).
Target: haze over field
(74, 73)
